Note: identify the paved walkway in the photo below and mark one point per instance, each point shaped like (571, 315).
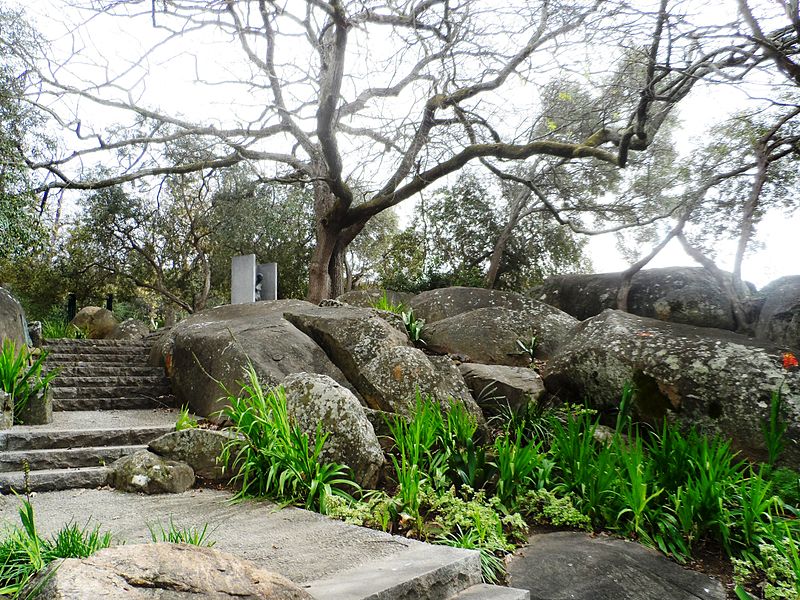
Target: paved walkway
(333, 560)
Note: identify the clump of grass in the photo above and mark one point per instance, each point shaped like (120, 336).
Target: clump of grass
(384, 303)
(272, 456)
(57, 329)
(194, 536)
(185, 419)
(23, 552)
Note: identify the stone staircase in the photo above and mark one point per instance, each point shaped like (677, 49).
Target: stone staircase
(107, 402)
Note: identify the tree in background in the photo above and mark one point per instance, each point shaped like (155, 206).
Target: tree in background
(19, 225)
(399, 95)
(454, 234)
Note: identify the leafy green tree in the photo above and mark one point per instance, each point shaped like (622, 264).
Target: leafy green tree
(19, 228)
(455, 231)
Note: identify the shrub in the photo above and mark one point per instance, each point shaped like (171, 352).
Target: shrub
(21, 374)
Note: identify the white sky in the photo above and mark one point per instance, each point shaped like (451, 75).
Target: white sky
(177, 90)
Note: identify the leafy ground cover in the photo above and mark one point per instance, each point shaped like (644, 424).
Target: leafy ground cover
(452, 482)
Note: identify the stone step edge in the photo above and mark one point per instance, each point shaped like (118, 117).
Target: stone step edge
(484, 591)
(11, 442)
(111, 452)
(54, 479)
(423, 571)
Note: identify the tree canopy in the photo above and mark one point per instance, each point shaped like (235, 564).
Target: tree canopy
(365, 105)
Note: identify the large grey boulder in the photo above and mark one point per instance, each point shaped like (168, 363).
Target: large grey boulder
(717, 380)
(97, 323)
(491, 335)
(378, 359)
(368, 298)
(129, 329)
(197, 447)
(214, 346)
(149, 473)
(677, 294)
(12, 319)
(579, 566)
(496, 386)
(165, 571)
(435, 305)
(313, 400)
(779, 319)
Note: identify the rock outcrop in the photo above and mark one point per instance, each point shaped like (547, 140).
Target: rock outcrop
(151, 571)
(317, 399)
(97, 323)
(129, 329)
(779, 319)
(715, 380)
(496, 387)
(493, 335)
(577, 566)
(677, 294)
(149, 473)
(12, 319)
(213, 347)
(435, 305)
(378, 359)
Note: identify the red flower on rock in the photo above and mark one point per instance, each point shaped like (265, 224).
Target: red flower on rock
(789, 361)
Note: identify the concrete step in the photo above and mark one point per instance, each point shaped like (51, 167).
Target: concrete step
(106, 359)
(165, 400)
(92, 381)
(422, 571)
(100, 370)
(81, 344)
(56, 479)
(62, 392)
(111, 355)
(91, 429)
(485, 591)
(64, 458)
(95, 364)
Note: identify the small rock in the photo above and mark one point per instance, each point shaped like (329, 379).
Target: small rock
(198, 448)
(148, 473)
(130, 329)
(494, 386)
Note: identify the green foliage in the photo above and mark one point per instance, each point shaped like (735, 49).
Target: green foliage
(375, 509)
(520, 466)
(786, 484)
(195, 536)
(185, 419)
(413, 325)
(774, 428)
(528, 348)
(544, 507)
(58, 329)
(21, 374)
(23, 552)
(274, 458)
(384, 303)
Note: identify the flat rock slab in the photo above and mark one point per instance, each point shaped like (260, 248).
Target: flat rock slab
(578, 566)
(330, 559)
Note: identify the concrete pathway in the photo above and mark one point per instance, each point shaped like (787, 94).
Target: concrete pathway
(333, 560)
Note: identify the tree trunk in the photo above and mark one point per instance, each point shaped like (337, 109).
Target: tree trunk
(497, 254)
